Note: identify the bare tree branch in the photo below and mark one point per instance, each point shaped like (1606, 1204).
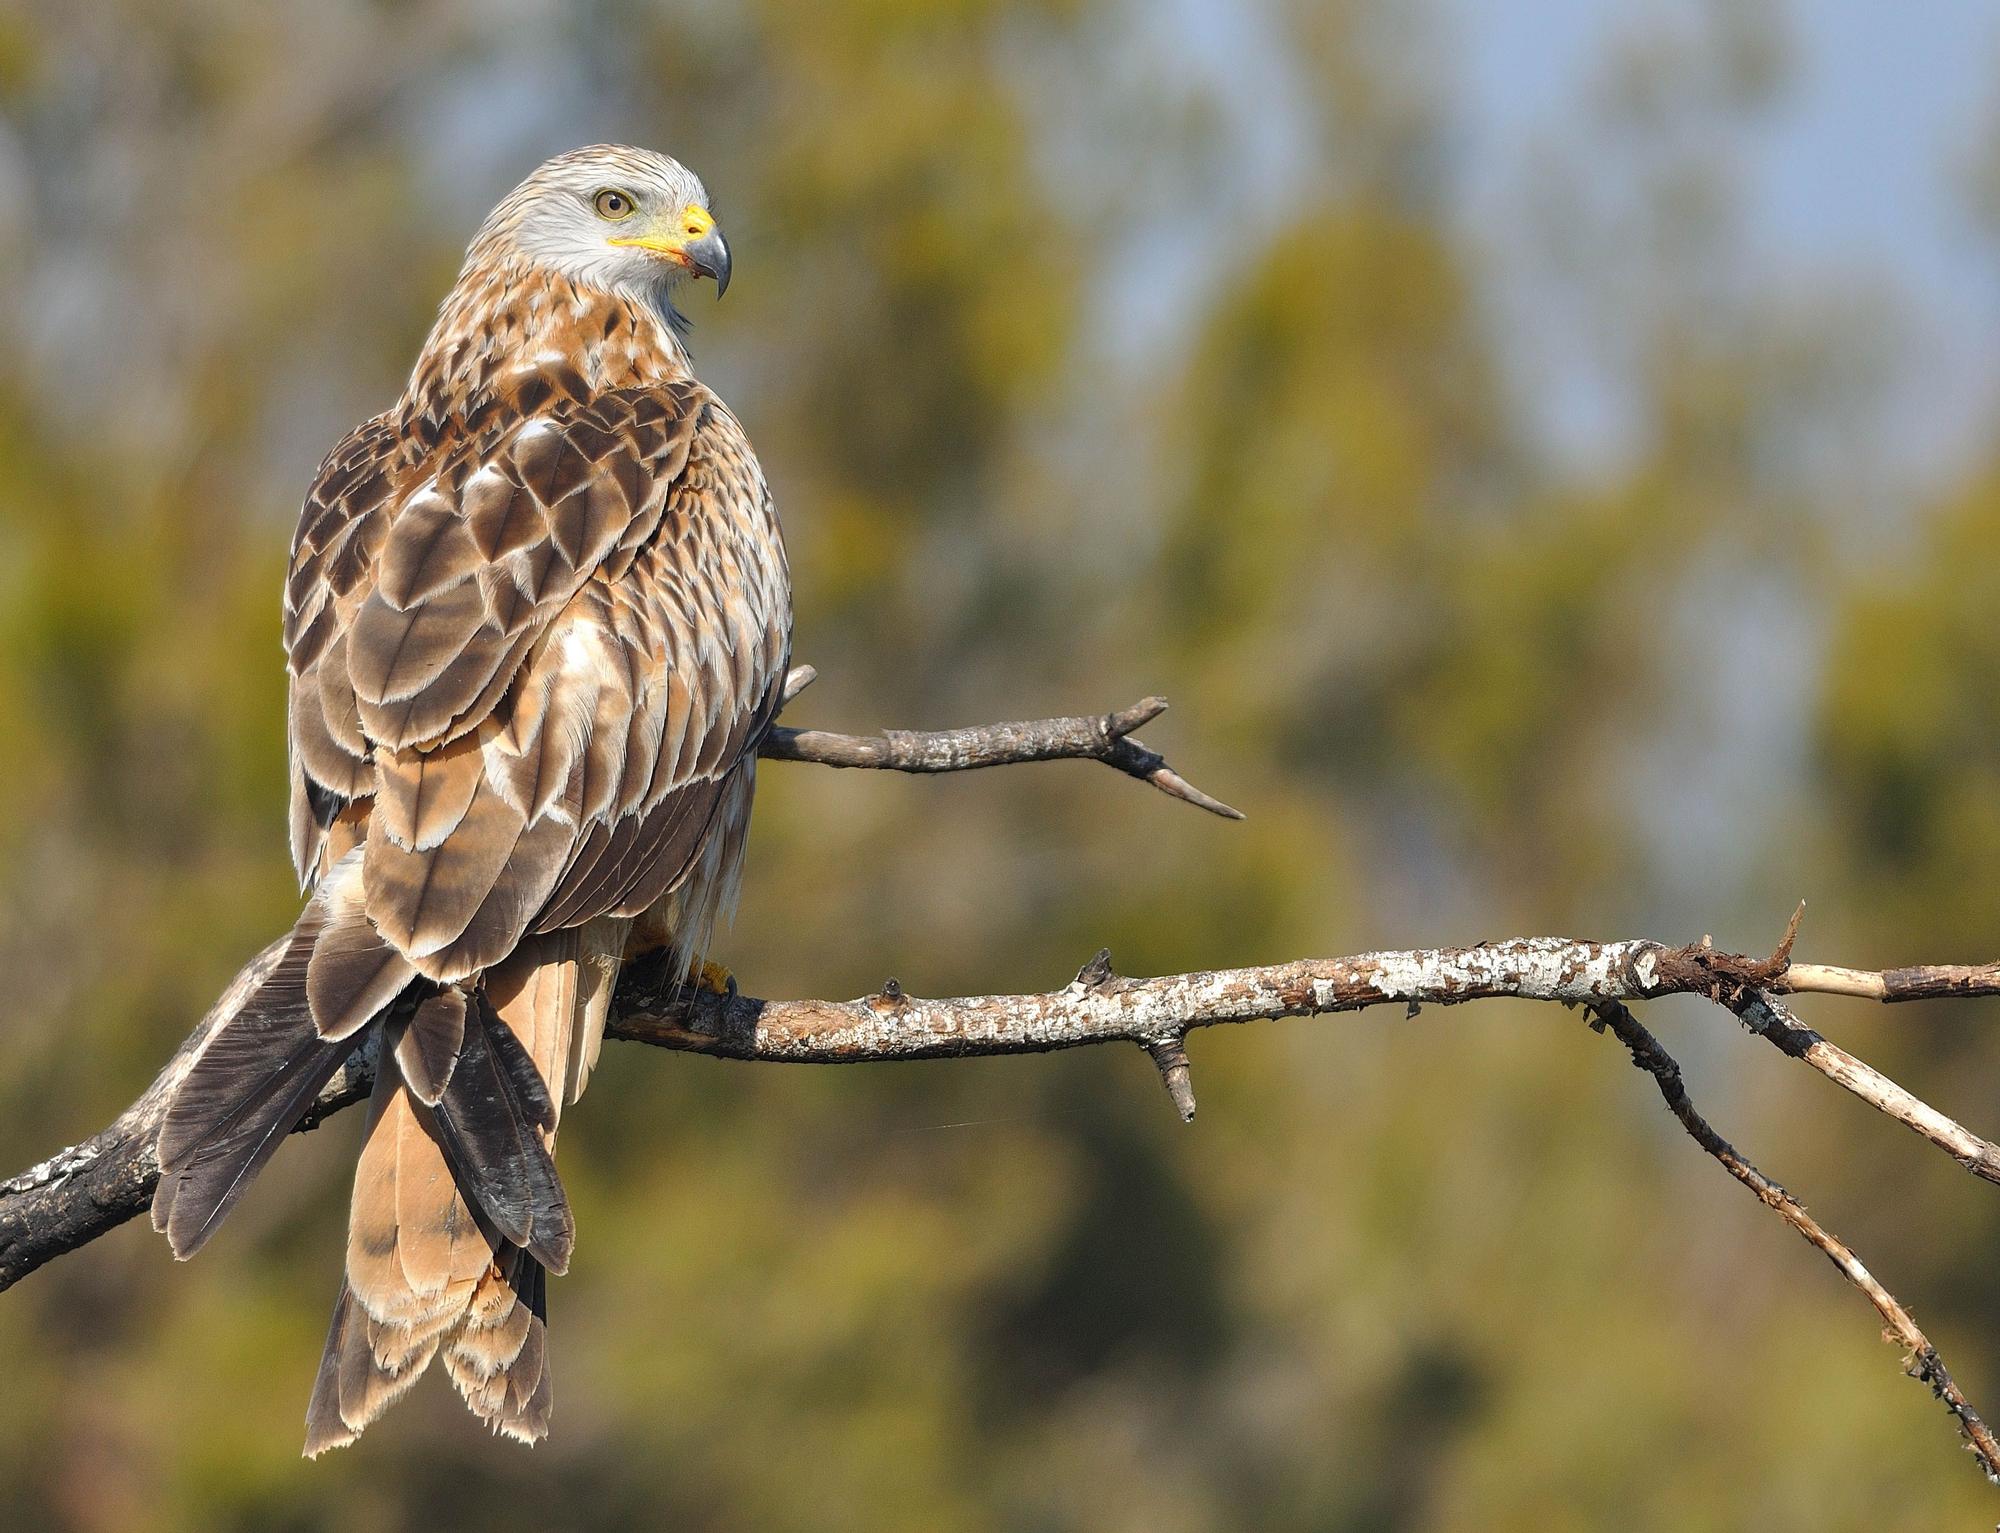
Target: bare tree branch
(1766, 1016)
(82, 1191)
(1105, 737)
(1925, 982)
(1924, 1363)
(1749, 987)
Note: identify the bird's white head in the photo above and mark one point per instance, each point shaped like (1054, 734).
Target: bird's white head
(610, 218)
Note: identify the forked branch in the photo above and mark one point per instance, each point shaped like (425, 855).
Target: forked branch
(1923, 1363)
(89, 1188)
(1106, 737)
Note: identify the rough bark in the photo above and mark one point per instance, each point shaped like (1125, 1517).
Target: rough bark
(80, 1192)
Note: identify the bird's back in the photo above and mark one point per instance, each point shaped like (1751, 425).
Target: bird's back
(536, 621)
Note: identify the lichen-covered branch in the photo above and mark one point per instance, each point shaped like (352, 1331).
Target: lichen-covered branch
(89, 1188)
(1106, 737)
(79, 1193)
(82, 1191)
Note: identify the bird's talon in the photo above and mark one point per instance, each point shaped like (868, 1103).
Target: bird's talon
(711, 977)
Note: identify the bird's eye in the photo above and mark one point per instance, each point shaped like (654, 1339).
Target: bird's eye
(613, 205)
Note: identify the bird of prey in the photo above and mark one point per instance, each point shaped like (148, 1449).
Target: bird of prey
(537, 620)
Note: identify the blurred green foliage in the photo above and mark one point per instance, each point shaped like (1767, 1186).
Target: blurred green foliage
(1452, 1272)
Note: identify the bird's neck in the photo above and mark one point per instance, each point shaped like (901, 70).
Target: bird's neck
(506, 322)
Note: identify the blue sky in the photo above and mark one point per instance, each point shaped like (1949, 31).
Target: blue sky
(1862, 173)
(1856, 183)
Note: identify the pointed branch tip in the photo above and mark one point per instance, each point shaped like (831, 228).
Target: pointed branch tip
(1782, 958)
(1171, 783)
(1138, 716)
(797, 680)
(1098, 972)
(1170, 1055)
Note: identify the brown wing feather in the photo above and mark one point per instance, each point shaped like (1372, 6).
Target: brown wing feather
(494, 542)
(422, 796)
(530, 668)
(712, 666)
(422, 900)
(538, 653)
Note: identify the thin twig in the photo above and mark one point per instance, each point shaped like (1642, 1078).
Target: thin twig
(1924, 1363)
(1749, 987)
(1105, 737)
(1766, 1016)
(1923, 982)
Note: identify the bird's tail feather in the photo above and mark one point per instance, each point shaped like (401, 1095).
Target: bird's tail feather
(458, 1216)
(252, 1080)
(494, 1123)
(498, 1358)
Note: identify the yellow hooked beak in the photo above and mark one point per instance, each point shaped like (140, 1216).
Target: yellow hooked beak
(692, 239)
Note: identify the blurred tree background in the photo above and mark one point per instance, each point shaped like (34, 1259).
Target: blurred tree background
(1093, 349)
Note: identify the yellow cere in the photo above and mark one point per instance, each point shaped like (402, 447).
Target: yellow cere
(692, 223)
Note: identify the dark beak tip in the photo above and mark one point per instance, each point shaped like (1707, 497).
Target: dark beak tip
(711, 259)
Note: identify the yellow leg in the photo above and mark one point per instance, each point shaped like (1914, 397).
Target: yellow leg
(649, 934)
(711, 976)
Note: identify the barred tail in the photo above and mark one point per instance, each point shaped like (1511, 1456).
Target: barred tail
(458, 1217)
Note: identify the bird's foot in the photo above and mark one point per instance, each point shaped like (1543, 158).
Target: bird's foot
(711, 977)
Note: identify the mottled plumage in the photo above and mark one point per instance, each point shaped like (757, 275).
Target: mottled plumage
(537, 620)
